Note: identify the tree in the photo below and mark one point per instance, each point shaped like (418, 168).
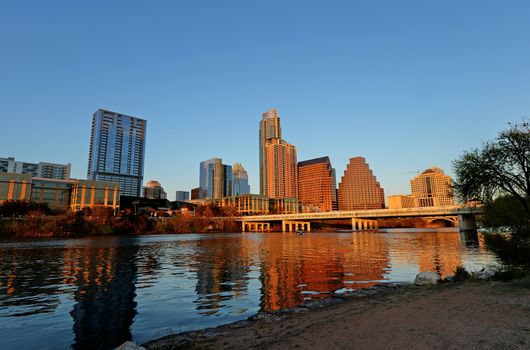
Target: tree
(499, 169)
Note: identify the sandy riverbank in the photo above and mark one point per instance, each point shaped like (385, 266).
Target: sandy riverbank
(472, 315)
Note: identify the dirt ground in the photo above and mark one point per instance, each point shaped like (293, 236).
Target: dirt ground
(472, 315)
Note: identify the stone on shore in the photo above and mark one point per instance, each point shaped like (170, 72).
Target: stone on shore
(426, 278)
(130, 345)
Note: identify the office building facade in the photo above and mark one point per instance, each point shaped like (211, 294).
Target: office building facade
(182, 196)
(316, 185)
(240, 184)
(117, 150)
(42, 169)
(215, 179)
(432, 188)
(359, 188)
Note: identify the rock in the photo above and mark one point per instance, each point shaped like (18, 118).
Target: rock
(130, 345)
(482, 274)
(426, 278)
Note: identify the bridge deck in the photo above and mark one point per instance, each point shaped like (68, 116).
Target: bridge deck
(370, 214)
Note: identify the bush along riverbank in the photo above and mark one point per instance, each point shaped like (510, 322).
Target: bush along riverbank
(484, 309)
(102, 222)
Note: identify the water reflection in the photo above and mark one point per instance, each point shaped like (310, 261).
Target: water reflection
(96, 293)
(105, 306)
(222, 269)
(329, 262)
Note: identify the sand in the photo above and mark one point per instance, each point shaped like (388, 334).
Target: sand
(471, 315)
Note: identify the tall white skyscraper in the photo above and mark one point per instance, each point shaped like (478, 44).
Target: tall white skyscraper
(117, 150)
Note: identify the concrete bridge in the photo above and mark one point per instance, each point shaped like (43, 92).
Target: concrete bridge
(367, 219)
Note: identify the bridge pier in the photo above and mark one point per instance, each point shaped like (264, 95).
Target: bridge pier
(295, 225)
(467, 222)
(256, 226)
(363, 224)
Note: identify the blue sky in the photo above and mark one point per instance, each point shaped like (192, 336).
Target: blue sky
(405, 84)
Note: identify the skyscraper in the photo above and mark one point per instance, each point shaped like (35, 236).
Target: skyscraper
(239, 180)
(316, 185)
(269, 128)
(359, 189)
(117, 150)
(278, 173)
(432, 188)
(215, 178)
(280, 169)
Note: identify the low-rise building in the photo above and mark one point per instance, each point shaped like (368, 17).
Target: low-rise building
(59, 195)
(400, 201)
(255, 204)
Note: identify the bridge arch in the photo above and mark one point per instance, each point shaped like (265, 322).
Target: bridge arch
(442, 221)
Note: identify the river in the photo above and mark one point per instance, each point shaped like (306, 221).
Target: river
(98, 292)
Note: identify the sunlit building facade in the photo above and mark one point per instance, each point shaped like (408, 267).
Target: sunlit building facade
(316, 185)
(240, 184)
(215, 179)
(15, 187)
(269, 128)
(255, 204)
(93, 194)
(55, 193)
(117, 150)
(359, 188)
(432, 188)
(280, 164)
(42, 169)
(400, 201)
(59, 195)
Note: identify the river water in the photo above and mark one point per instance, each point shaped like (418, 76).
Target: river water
(96, 293)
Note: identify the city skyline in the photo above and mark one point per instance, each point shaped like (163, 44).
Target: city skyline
(379, 81)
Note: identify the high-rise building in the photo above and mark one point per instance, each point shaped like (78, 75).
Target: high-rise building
(432, 188)
(198, 193)
(280, 169)
(359, 189)
(316, 185)
(269, 128)
(153, 190)
(278, 173)
(182, 196)
(41, 170)
(117, 150)
(240, 184)
(204, 178)
(215, 179)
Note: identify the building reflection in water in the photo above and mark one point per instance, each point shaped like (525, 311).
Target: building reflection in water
(104, 279)
(222, 268)
(296, 268)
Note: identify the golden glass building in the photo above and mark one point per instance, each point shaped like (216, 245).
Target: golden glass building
(316, 185)
(269, 128)
(280, 169)
(359, 189)
(432, 188)
(278, 164)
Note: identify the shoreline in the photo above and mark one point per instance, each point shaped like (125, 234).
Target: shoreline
(473, 314)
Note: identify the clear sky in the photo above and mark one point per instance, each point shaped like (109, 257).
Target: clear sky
(405, 84)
